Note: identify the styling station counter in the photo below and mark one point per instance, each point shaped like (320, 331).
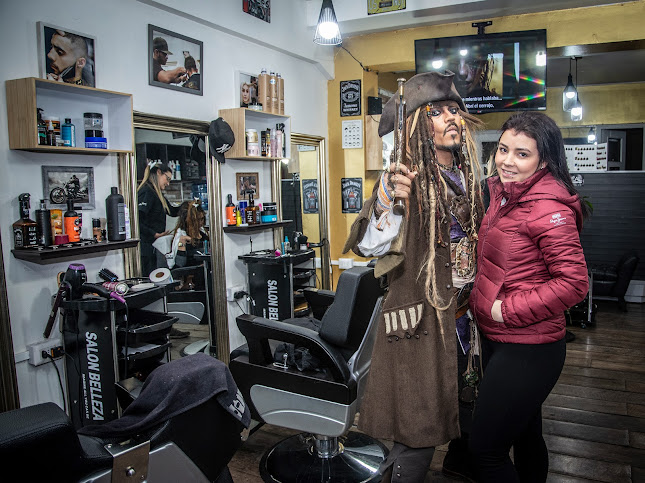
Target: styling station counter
(274, 281)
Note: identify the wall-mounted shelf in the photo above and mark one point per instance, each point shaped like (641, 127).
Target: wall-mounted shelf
(60, 253)
(240, 119)
(255, 228)
(64, 100)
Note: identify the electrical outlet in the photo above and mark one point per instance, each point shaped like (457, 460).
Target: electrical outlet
(49, 346)
(345, 263)
(230, 292)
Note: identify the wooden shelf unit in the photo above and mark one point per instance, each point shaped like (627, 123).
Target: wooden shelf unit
(64, 100)
(240, 119)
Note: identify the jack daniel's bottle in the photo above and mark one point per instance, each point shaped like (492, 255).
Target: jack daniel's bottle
(25, 232)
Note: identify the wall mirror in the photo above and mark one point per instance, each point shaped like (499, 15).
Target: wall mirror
(303, 189)
(178, 147)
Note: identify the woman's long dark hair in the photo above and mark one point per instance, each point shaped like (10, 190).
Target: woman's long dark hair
(550, 145)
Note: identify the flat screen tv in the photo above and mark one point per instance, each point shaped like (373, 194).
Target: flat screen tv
(493, 72)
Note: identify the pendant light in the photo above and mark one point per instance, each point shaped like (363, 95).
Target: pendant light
(591, 137)
(576, 110)
(569, 93)
(327, 31)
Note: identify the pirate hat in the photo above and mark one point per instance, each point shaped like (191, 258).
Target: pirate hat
(418, 91)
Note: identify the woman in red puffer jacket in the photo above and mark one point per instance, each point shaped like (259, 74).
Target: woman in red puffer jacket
(530, 270)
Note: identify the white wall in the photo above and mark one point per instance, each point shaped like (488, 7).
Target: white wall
(120, 27)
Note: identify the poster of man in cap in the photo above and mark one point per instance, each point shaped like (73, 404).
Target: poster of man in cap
(175, 61)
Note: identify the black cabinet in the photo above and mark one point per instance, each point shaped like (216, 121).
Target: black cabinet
(107, 343)
(276, 282)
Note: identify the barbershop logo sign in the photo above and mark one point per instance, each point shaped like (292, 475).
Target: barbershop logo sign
(350, 98)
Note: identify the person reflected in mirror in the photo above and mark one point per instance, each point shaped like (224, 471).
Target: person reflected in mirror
(160, 55)
(194, 77)
(531, 269)
(424, 370)
(153, 208)
(69, 59)
(188, 236)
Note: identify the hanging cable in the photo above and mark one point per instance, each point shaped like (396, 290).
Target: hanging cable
(366, 69)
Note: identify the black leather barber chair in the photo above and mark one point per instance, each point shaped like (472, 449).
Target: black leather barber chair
(39, 443)
(611, 282)
(322, 404)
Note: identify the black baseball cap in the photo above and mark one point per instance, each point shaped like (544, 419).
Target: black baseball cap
(160, 44)
(220, 138)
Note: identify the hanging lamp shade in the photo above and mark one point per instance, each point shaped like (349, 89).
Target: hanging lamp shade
(327, 31)
(576, 110)
(569, 93)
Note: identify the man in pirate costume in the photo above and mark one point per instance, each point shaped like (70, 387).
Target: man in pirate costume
(416, 391)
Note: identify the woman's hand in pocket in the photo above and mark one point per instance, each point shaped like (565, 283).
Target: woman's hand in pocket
(496, 311)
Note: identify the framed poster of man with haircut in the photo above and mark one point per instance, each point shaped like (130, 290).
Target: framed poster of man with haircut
(66, 56)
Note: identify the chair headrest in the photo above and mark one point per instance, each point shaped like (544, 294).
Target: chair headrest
(345, 322)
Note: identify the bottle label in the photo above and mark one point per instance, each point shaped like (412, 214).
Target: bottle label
(17, 238)
(121, 218)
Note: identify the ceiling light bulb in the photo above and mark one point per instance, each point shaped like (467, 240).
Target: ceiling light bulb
(463, 52)
(576, 111)
(570, 94)
(328, 30)
(436, 64)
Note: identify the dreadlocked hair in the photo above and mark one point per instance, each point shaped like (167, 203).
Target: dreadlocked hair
(431, 191)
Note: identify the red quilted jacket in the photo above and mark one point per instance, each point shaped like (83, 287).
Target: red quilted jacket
(530, 257)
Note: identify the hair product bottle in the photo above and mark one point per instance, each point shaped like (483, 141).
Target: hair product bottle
(273, 93)
(263, 88)
(251, 212)
(44, 225)
(280, 94)
(72, 222)
(42, 128)
(68, 133)
(25, 231)
(231, 219)
(115, 210)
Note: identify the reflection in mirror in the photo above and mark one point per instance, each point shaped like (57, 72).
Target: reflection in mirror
(301, 202)
(173, 217)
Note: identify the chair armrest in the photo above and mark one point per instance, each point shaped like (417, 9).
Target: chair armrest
(259, 330)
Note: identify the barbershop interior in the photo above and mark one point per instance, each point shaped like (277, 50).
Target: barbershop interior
(178, 298)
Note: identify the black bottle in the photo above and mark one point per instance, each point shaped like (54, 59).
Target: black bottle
(42, 128)
(115, 208)
(44, 225)
(24, 230)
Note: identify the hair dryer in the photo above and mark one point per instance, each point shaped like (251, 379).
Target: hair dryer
(69, 289)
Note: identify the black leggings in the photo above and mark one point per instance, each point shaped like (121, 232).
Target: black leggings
(508, 412)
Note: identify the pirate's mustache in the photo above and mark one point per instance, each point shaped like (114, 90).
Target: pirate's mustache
(452, 124)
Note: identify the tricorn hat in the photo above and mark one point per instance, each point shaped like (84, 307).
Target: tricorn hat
(220, 138)
(420, 90)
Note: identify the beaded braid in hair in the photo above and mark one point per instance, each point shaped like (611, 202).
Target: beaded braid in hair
(431, 190)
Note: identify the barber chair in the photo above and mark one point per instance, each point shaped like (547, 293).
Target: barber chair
(322, 405)
(39, 443)
(611, 282)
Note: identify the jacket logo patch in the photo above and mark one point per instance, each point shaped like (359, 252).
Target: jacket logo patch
(405, 319)
(558, 219)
